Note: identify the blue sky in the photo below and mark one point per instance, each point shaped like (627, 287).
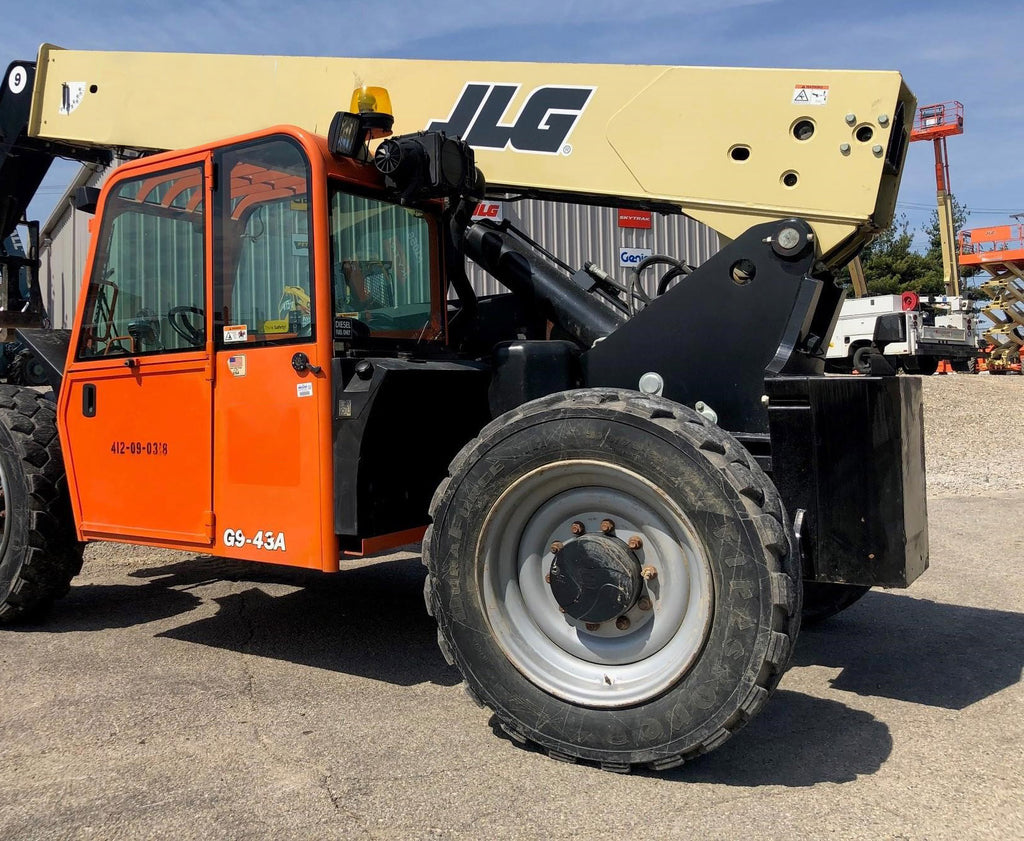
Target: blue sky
(946, 50)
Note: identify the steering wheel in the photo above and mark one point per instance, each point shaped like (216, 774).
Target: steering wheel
(181, 323)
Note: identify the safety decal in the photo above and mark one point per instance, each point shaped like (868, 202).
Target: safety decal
(810, 95)
(304, 389)
(236, 333)
(71, 95)
(236, 365)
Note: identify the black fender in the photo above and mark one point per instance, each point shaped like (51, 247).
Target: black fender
(50, 348)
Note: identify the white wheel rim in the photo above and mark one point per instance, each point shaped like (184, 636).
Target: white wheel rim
(607, 667)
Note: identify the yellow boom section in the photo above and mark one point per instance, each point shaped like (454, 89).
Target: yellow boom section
(730, 147)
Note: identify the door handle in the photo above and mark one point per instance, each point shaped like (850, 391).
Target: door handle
(89, 400)
(300, 362)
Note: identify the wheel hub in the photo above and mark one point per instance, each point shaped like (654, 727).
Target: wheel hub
(595, 578)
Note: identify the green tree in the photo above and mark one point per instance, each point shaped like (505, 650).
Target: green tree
(892, 266)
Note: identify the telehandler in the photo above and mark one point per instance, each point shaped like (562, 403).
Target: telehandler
(277, 357)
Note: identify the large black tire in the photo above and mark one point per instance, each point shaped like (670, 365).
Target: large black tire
(39, 552)
(710, 521)
(26, 369)
(861, 360)
(823, 599)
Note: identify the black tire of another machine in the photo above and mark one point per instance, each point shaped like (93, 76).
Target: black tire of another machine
(26, 369)
(862, 359)
(709, 518)
(39, 552)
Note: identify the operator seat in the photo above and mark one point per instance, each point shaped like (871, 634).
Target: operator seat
(370, 283)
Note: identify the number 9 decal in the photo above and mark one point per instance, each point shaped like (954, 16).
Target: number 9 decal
(18, 79)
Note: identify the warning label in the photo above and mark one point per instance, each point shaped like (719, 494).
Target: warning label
(810, 95)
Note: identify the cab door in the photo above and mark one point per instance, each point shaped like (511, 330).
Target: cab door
(136, 403)
(271, 408)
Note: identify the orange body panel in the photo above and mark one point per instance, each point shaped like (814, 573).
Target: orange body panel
(267, 462)
(980, 258)
(142, 474)
(998, 233)
(994, 244)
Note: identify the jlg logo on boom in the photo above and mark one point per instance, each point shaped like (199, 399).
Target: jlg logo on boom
(542, 126)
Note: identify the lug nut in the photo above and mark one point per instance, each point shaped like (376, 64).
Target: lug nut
(635, 543)
(577, 528)
(643, 603)
(547, 578)
(622, 623)
(648, 572)
(607, 526)
(593, 626)
(556, 547)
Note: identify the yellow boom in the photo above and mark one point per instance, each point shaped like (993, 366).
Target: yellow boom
(729, 147)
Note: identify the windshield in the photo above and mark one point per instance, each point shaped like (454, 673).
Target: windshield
(381, 266)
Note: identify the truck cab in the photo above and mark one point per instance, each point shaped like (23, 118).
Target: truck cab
(197, 404)
(913, 333)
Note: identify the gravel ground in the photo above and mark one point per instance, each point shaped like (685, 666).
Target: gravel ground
(974, 434)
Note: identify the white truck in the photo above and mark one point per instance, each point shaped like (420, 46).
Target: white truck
(913, 333)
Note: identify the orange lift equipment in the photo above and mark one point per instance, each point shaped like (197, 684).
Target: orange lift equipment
(999, 250)
(936, 123)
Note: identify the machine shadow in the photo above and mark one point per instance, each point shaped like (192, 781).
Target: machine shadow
(100, 607)
(368, 621)
(797, 740)
(915, 650)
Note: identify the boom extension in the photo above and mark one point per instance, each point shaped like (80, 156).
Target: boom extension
(825, 146)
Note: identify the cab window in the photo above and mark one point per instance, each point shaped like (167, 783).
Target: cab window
(381, 265)
(145, 295)
(264, 254)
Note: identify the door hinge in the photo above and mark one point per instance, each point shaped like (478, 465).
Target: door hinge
(210, 521)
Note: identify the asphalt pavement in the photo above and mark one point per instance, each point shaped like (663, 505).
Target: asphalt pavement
(174, 697)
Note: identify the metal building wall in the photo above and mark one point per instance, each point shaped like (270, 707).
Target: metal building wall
(63, 249)
(578, 233)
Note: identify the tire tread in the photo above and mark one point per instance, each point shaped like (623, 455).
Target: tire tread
(52, 554)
